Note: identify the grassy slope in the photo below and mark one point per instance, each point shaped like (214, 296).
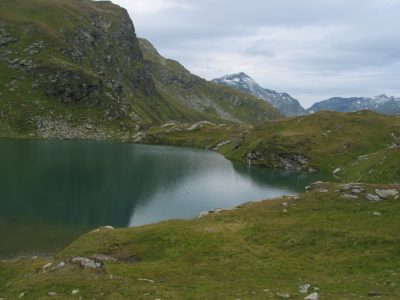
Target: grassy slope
(201, 99)
(335, 244)
(330, 140)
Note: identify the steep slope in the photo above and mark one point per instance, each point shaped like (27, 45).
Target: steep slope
(203, 99)
(74, 69)
(286, 104)
(381, 103)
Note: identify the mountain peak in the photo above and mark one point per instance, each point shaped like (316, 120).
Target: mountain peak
(282, 101)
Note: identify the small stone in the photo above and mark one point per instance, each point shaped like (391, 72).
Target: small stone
(356, 191)
(313, 296)
(52, 294)
(46, 266)
(22, 295)
(304, 288)
(283, 295)
(145, 279)
(285, 210)
(322, 190)
(285, 204)
(384, 194)
(373, 197)
(107, 227)
(377, 213)
(337, 171)
(75, 292)
(348, 196)
(61, 265)
(375, 294)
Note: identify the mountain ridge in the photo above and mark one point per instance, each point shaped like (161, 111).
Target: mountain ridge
(382, 103)
(286, 104)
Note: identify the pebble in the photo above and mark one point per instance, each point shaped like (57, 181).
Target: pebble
(304, 288)
(47, 266)
(349, 196)
(377, 213)
(283, 295)
(52, 294)
(313, 296)
(74, 292)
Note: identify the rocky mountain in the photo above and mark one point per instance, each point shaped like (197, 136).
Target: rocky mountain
(381, 103)
(75, 69)
(199, 97)
(286, 104)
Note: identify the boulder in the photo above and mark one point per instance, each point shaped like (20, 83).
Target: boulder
(384, 194)
(372, 197)
(87, 263)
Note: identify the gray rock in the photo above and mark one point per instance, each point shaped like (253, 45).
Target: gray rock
(46, 266)
(75, 292)
(377, 213)
(375, 294)
(337, 171)
(107, 227)
(384, 194)
(372, 197)
(313, 296)
(203, 214)
(348, 196)
(304, 288)
(283, 295)
(322, 190)
(357, 190)
(88, 263)
(61, 265)
(103, 257)
(52, 294)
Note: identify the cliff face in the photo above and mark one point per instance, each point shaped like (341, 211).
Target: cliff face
(74, 68)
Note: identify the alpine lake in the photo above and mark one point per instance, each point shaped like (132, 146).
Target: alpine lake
(53, 191)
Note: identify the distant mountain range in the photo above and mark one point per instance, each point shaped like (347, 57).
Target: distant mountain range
(382, 104)
(286, 104)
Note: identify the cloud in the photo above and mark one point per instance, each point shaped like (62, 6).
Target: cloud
(312, 49)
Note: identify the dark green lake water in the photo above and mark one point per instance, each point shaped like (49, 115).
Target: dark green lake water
(53, 191)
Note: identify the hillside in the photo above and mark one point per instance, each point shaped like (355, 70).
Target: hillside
(286, 104)
(364, 145)
(382, 104)
(206, 100)
(74, 69)
(331, 241)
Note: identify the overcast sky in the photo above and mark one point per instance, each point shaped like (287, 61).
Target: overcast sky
(312, 49)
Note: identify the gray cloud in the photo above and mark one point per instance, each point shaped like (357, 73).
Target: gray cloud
(312, 49)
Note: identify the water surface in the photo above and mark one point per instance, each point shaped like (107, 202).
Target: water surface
(53, 191)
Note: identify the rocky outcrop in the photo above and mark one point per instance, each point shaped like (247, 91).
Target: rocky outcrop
(287, 161)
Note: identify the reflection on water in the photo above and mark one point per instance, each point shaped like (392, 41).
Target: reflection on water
(53, 191)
